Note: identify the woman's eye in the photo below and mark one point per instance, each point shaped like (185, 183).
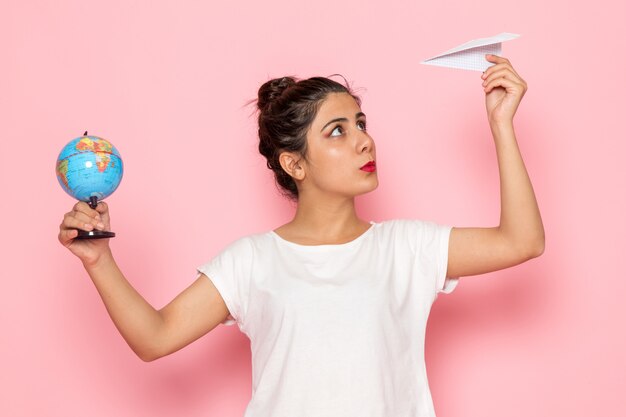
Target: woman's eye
(361, 125)
(338, 131)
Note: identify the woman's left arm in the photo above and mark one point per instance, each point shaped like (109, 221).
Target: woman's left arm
(520, 235)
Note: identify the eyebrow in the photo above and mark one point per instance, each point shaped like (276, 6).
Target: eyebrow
(343, 119)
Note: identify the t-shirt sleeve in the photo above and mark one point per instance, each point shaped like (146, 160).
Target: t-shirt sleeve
(230, 273)
(431, 250)
(445, 284)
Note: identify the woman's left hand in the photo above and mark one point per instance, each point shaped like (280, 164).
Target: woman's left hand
(504, 90)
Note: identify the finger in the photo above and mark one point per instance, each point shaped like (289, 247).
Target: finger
(83, 207)
(71, 222)
(102, 207)
(103, 210)
(84, 217)
(499, 67)
(504, 73)
(67, 236)
(510, 86)
(78, 220)
(497, 59)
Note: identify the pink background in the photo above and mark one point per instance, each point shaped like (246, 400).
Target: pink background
(166, 82)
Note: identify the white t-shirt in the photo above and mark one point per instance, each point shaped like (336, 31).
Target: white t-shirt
(337, 330)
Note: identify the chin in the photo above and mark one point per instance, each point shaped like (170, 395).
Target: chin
(368, 189)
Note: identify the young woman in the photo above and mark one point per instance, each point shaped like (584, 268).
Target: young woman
(335, 306)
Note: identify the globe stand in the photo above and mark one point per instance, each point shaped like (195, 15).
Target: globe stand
(94, 234)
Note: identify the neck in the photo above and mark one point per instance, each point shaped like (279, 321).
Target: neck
(326, 218)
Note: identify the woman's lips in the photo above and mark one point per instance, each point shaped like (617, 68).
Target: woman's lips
(369, 167)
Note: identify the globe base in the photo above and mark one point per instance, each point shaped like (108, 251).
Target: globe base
(94, 234)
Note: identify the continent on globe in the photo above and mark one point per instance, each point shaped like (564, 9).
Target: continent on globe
(100, 147)
(62, 173)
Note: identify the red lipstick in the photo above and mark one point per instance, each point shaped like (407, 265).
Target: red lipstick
(369, 167)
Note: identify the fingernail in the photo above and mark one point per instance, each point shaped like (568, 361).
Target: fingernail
(88, 226)
(100, 226)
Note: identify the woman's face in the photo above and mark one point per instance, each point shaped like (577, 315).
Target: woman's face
(338, 148)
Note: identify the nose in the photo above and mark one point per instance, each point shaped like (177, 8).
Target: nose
(365, 143)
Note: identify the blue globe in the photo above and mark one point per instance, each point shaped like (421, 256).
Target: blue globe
(89, 166)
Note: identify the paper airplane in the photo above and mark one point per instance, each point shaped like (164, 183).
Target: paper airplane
(471, 55)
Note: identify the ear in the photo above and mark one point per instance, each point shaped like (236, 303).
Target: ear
(291, 163)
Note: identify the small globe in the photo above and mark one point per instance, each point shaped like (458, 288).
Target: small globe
(89, 166)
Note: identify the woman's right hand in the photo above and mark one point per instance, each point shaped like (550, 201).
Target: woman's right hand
(83, 217)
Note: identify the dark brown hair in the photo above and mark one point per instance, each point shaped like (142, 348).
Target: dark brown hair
(287, 107)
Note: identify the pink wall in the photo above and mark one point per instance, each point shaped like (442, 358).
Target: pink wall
(166, 83)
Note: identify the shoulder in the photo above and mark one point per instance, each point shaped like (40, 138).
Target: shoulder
(414, 231)
(238, 253)
(410, 225)
(248, 243)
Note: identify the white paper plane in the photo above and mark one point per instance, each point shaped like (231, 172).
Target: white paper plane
(471, 55)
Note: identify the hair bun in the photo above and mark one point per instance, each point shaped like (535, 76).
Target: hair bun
(272, 90)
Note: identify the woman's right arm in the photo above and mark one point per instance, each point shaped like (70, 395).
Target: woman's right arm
(149, 332)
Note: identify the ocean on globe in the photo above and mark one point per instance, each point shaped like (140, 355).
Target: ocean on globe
(89, 166)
